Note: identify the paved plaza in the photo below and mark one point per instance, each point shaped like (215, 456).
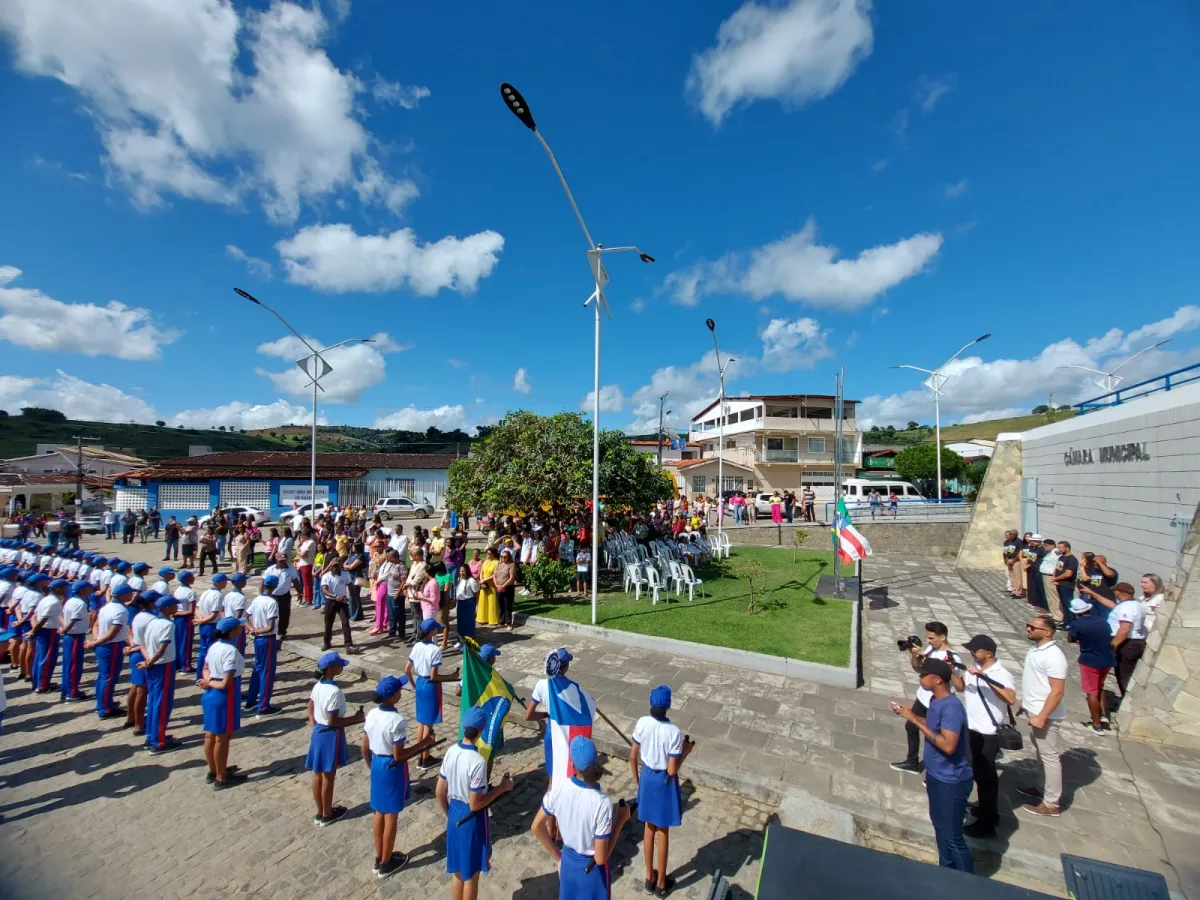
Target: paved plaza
(762, 740)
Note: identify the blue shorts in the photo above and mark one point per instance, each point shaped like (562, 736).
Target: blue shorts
(137, 677)
(326, 749)
(659, 800)
(222, 709)
(390, 788)
(429, 701)
(469, 845)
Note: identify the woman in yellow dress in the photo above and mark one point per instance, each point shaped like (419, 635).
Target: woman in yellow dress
(489, 606)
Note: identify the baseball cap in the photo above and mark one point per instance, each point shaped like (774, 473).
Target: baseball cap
(81, 586)
(141, 567)
(185, 575)
(238, 579)
(661, 697)
(583, 752)
(270, 581)
(149, 597)
(123, 566)
(389, 684)
(165, 602)
(121, 590)
(220, 578)
(1080, 606)
(58, 583)
(981, 642)
(937, 667)
(489, 651)
(37, 578)
(1123, 587)
(331, 659)
(564, 655)
(166, 572)
(429, 625)
(228, 622)
(475, 718)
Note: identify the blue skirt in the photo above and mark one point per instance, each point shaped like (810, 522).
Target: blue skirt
(137, 677)
(222, 709)
(429, 701)
(659, 801)
(574, 884)
(326, 749)
(469, 845)
(389, 784)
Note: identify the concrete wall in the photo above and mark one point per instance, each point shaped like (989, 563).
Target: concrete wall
(918, 538)
(1135, 510)
(997, 509)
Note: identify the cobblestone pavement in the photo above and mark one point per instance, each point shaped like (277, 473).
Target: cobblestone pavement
(87, 814)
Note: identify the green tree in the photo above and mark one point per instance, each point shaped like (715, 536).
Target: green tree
(1040, 410)
(911, 426)
(752, 570)
(799, 536)
(527, 460)
(972, 475)
(919, 463)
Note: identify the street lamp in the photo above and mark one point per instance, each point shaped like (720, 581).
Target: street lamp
(662, 402)
(315, 367)
(937, 378)
(1110, 379)
(519, 108)
(712, 326)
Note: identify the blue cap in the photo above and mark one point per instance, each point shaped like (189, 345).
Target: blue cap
(121, 590)
(661, 697)
(141, 567)
(150, 597)
(59, 583)
(489, 651)
(331, 659)
(583, 752)
(123, 566)
(165, 602)
(37, 578)
(82, 586)
(228, 622)
(564, 655)
(475, 718)
(270, 582)
(429, 625)
(185, 575)
(114, 561)
(220, 578)
(166, 572)
(238, 579)
(389, 685)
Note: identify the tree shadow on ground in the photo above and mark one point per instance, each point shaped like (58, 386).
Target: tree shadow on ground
(87, 761)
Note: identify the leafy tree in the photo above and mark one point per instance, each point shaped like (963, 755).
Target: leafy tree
(3, 413)
(220, 428)
(919, 463)
(972, 475)
(548, 577)
(527, 460)
(41, 414)
(161, 424)
(799, 536)
(1040, 410)
(911, 426)
(752, 570)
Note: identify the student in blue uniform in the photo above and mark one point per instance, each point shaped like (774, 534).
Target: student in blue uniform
(234, 605)
(185, 605)
(109, 641)
(45, 633)
(587, 825)
(26, 597)
(135, 704)
(158, 650)
(422, 669)
(209, 610)
(463, 795)
(327, 747)
(262, 621)
(221, 677)
(137, 578)
(74, 637)
(163, 586)
(659, 749)
(384, 750)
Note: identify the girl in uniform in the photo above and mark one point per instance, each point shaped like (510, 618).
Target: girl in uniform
(74, 635)
(660, 748)
(234, 606)
(185, 603)
(327, 748)
(383, 750)
(27, 604)
(208, 613)
(221, 677)
(586, 822)
(108, 640)
(463, 796)
(135, 703)
(422, 669)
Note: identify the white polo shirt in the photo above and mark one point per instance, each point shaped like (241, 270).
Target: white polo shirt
(583, 813)
(385, 728)
(29, 602)
(327, 699)
(222, 658)
(234, 604)
(977, 693)
(117, 580)
(424, 656)
(658, 741)
(185, 598)
(138, 628)
(159, 632)
(137, 582)
(161, 586)
(1041, 664)
(50, 609)
(113, 613)
(75, 615)
(286, 576)
(924, 696)
(6, 590)
(1133, 612)
(264, 611)
(336, 585)
(465, 772)
(210, 602)
(104, 579)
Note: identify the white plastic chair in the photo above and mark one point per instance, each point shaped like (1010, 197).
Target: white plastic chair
(652, 584)
(676, 575)
(690, 579)
(637, 578)
(628, 577)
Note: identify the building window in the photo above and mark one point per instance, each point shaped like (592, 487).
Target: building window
(698, 482)
(747, 415)
(183, 496)
(816, 445)
(129, 498)
(255, 494)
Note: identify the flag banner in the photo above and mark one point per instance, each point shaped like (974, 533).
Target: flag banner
(847, 540)
(482, 686)
(571, 713)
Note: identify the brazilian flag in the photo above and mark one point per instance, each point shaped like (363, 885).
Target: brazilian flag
(482, 686)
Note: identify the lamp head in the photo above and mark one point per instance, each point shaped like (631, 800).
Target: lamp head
(983, 337)
(517, 106)
(646, 257)
(247, 295)
(712, 326)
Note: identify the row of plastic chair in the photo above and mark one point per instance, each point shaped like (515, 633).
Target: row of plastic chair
(647, 575)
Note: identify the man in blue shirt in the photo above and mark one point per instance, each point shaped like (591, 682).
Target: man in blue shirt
(948, 780)
(1096, 658)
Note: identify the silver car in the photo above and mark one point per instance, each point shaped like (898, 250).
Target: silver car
(401, 507)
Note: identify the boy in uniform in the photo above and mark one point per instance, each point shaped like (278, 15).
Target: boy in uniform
(263, 622)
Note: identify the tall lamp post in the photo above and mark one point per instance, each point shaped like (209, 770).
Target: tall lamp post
(1109, 380)
(712, 326)
(662, 402)
(315, 367)
(518, 107)
(937, 378)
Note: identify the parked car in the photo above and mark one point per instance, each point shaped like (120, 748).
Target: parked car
(91, 524)
(259, 515)
(858, 490)
(306, 511)
(729, 495)
(401, 507)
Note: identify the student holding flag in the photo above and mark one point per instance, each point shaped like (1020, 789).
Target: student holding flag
(848, 543)
(482, 687)
(570, 712)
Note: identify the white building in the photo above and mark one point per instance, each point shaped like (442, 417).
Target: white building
(651, 448)
(973, 450)
(63, 460)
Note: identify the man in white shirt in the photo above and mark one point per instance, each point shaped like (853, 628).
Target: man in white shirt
(262, 621)
(399, 541)
(1048, 568)
(286, 578)
(1127, 621)
(1043, 684)
(937, 646)
(987, 689)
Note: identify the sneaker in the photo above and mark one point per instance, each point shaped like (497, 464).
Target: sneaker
(338, 812)
(651, 883)
(210, 778)
(1105, 722)
(1101, 730)
(138, 732)
(907, 765)
(375, 867)
(431, 763)
(232, 779)
(249, 705)
(392, 866)
(1031, 792)
(665, 889)
(352, 650)
(979, 830)
(1041, 809)
(269, 711)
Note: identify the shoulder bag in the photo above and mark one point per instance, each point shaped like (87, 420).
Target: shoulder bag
(1007, 734)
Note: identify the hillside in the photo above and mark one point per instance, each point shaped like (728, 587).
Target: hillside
(987, 431)
(347, 438)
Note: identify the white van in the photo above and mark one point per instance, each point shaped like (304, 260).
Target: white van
(858, 490)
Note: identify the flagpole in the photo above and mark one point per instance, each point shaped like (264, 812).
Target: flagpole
(837, 478)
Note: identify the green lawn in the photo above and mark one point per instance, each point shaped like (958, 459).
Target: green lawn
(791, 622)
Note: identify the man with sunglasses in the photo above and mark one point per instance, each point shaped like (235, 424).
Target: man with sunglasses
(1043, 684)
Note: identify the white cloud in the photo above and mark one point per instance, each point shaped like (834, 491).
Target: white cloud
(74, 398)
(521, 382)
(611, 400)
(879, 165)
(691, 388)
(931, 89)
(445, 418)
(375, 186)
(957, 189)
(356, 367)
(1184, 319)
(202, 100)
(799, 268)
(242, 415)
(334, 258)
(30, 318)
(257, 266)
(457, 363)
(405, 95)
(800, 52)
(637, 305)
(790, 345)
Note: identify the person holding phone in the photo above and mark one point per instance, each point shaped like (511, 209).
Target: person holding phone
(327, 747)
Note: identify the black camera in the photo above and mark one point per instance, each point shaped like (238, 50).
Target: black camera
(912, 641)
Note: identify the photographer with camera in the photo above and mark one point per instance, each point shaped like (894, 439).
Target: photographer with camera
(988, 690)
(937, 646)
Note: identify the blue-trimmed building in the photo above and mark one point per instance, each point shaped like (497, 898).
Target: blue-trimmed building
(274, 481)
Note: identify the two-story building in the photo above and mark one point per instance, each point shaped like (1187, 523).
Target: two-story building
(773, 442)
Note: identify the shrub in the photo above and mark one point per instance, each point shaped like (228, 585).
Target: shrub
(548, 577)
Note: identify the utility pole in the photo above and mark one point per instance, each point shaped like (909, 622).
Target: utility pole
(662, 401)
(79, 439)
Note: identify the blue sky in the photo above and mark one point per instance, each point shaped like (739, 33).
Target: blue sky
(836, 183)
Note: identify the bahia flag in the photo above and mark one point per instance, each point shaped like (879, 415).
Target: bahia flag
(848, 543)
(571, 713)
(482, 686)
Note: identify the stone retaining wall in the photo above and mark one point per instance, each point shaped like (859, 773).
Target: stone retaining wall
(918, 538)
(997, 509)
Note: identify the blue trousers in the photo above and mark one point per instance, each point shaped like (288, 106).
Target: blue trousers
(262, 676)
(171, 547)
(109, 658)
(160, 701)
(1066, 593)
(72, 664)
(45, 658)
(208, 634)
(183, 640)
(947, 807)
